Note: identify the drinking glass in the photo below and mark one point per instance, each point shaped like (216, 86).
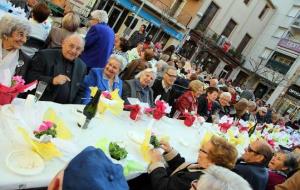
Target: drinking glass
(40, 90)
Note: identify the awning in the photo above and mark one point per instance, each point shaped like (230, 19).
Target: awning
(150, 18)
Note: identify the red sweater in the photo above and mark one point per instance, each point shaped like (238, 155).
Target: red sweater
(274, 179)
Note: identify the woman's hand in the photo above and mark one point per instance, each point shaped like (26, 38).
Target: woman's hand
(165, 146)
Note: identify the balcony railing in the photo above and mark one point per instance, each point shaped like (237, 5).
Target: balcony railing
(211, 38)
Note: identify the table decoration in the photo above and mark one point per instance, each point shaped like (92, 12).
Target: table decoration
(47, 150)
(8, 94)
(62, 131)
(116, 151)
(45, 132)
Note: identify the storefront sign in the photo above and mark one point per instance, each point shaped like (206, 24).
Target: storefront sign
(294, 91)
(288, 44)
(83, 7)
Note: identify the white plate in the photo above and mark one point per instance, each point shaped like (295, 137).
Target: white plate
(25, 162)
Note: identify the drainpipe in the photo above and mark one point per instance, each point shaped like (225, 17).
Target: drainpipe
(128, 29)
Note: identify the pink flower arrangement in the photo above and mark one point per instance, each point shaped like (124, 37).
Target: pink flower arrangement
(17, 80)
(46, 128)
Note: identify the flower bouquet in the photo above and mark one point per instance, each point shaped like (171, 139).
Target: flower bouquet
(7, 94)
(45, 132)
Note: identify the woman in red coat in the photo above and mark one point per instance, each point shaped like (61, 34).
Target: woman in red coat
(280, 166)
(189, 100)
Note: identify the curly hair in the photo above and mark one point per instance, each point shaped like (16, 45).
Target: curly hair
(223, 153)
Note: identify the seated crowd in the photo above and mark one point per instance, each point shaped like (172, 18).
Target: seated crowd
(70, 64)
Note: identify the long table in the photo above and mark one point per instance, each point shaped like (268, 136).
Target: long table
(114, 128)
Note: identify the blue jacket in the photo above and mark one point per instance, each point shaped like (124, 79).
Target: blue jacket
(99, 44)
(95, 79)
(256, 175)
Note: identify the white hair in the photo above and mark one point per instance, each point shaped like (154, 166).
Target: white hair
(225, 94)
(143, 72)
(10, 23)
(76, 35)
(220, 178)
(120, 59)
(100, 15)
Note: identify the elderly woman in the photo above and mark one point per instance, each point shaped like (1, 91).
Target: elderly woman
(70, 25)
(105, 79)
(189, 100)
(140, 87)
(207, 103)
(179, 175)
(282, 164)
(13, 33)
(241, 109)
(223, 105)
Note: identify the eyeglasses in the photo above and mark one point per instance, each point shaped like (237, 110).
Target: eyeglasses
(174, 76)
(201, 150)
(249, 149)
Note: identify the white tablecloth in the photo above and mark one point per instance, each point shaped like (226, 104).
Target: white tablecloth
(114, 128)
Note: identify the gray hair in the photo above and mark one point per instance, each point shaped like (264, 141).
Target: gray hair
(120, 59)
(10, 24)
(100, 15)
(220, 178)
(76, 35)
(143, 72)
(225, 94)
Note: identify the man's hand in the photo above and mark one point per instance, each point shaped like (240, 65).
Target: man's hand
(165, 146)
(155, 156)
(60, 80)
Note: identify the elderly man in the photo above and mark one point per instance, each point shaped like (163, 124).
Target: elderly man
(253, 167)
(99, 41)
(223, 105)
(213, 82)
(90, 169)
(261, 115)
(163, 86)
(61, 69)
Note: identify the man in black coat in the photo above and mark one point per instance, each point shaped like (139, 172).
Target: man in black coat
(62, 70)
(253, 165)
(164, 86)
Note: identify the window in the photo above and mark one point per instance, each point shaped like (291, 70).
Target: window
(266, 53)
(279, 33)
(263, 12)
(294, 11)
(243, 43)
(280, 62)
(208, 16)
(246, 2)
(229, 28)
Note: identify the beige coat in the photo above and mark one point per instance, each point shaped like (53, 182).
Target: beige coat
(292, 183)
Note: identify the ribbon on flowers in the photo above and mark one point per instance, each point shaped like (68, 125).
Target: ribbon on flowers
(225, 123)
(62, 131)
(7, 94)
(135, 111)
(111, 101)
(188, 119)
(161, 108)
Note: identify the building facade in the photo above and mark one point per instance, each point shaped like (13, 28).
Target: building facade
(274, 62)
(166, 20)
(226, 31)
